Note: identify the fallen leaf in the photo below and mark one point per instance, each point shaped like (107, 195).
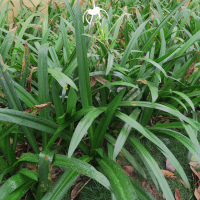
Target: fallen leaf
(169, 166)
(191, 68)
(118, 161)
(143, 184)
(168, 174)
(92, 81)
(29, 79)
(163, 196)
(54, 180)
(183, 183)
(37, 108)
(76, 189)
(195, 172)
(152, 16)
(194, 164)
(177, 195)
(128, 170)
(121, 155)
(196, 194)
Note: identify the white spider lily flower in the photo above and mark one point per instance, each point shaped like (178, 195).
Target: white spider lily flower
(93, 12)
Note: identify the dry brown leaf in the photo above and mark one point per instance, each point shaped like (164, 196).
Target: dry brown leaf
(177, 195)
(194, 164)
(195, 172)
(118, 161)
(101, 80)
(169, 166)
(76, 192)
(121, 155)
(196, 194)
(152, 16)
(128, 170)
(163, 196)
(191, 68)
(54, 180)
(92, 81)
(76, 189)
(183, 183)
(37, 108)
(168, 174)
(29, 80)
(187, 3)
(143, 184)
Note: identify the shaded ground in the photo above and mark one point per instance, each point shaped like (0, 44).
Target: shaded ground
(94, 191)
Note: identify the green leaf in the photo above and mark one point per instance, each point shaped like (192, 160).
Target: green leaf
(30, 174)
(149, 135)
(24, 95)
(70, 10)
(21, 33)
(7, 43)
(8, 88)
(43, 86)
(159, 107)
(62, 185)
(62, 79)
(110, 62)
(83, 68)
(155, 64)
(68, 122)
(127, 155)
(194, 149)
(105, 120)
(153, 89)
(178, 100)
(186, 98)
(142, 193)
(27, 158)
(116, 83)
(56, 100)
(12, 184)
(120, 182)
(65, 39)
(25, 66)
(82, 167)
(166, 19)
(14, 102)
(21, 191)
(189, 43)
(3, 164)
(7, 130)
(71, 101)
(45, 169)
(28, 120)
(154, 167)
(132, 94)
(132, 43)
(82, 128)
(123, 135)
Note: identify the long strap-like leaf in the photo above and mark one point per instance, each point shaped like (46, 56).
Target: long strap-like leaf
(43, 86)
(25, 66)
(14, 102)
(105, 120)
(120, 182)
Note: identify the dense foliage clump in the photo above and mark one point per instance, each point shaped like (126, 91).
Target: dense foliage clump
(76, 94)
